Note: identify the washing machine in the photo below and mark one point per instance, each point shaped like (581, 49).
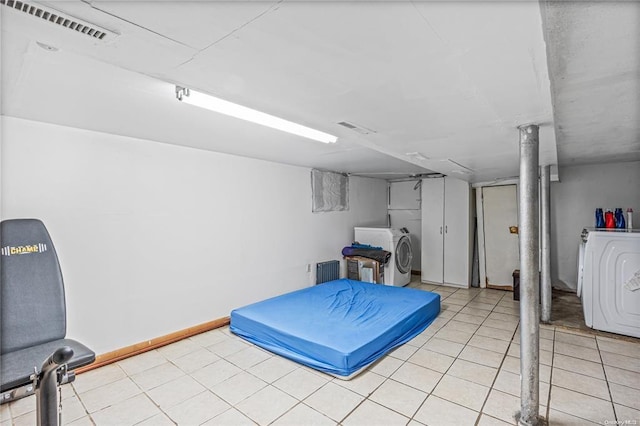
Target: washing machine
(398, 242)
(609, 280)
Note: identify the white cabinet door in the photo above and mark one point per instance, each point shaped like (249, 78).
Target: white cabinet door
(456, 232)
(432, 230)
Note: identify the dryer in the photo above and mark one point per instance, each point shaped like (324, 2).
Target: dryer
(398, 242)
(609, 280)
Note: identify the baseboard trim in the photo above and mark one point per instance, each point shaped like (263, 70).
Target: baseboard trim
(148, 345)
(500, 287)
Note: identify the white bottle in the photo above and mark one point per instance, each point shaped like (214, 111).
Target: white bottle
(629, 218)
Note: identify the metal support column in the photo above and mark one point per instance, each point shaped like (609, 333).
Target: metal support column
(528, 213)
(545, 220)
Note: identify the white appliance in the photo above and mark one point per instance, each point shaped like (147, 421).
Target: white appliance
(609, 280)
(447, 243)
(398, 271)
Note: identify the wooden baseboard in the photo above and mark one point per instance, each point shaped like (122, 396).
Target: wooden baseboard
(500, 287)
(416, 272)
(138, 348)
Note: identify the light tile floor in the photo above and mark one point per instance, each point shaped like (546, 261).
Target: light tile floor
(462, 370)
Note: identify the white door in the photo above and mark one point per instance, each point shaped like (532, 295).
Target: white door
(432, 265)
(501, 244)
(456, 232)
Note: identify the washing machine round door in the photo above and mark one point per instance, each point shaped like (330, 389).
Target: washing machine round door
(404, 255)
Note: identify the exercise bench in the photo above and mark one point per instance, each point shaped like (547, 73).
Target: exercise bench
(35, 356)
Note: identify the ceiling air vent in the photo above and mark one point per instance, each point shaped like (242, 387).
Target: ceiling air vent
(60, 19)
(356, 128)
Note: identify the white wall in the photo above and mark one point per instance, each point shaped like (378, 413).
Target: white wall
(573, 203)
(154, 238)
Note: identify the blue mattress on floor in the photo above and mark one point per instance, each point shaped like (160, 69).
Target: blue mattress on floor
(337, 327)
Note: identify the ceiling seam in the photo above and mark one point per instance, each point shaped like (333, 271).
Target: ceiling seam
(138, 25)
(463, 73)
(424, 18)
(230, 33)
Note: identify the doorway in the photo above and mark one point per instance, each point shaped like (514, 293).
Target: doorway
(501, 242)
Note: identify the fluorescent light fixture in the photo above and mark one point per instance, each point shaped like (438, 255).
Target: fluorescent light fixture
(461, 171)
(221, 106)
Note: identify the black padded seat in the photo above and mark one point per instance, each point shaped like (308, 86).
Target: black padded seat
(13, 368)
(33, 315)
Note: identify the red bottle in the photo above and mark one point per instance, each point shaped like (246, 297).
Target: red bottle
(609, 220)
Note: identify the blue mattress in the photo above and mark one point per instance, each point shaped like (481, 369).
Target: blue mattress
(337, 327)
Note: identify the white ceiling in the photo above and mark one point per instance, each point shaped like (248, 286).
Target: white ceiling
(451, 81)
(594, 60)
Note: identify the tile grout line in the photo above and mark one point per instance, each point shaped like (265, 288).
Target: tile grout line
(205, 390)
(606, 380)
(162, 410)
(553, 357)
(86, 410)
(366, 398)
(577, 391)
(504, 357)
(604, 371)
(443, 374)
(457, 357)
(144, 392)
